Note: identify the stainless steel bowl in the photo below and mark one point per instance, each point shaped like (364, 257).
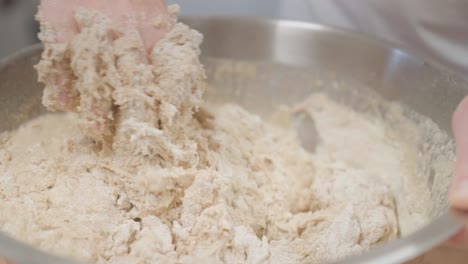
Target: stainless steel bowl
(261, 64)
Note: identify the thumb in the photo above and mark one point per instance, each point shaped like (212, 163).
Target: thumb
(459, 188)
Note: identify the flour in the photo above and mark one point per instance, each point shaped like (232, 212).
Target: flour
(145, 172)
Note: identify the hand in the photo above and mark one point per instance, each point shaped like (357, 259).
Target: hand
(459, 188)
(5, 261)
(129, 16)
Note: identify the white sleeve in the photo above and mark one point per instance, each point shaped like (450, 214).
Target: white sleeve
(438, 29)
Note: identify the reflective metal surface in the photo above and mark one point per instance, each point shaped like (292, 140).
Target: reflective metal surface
(286, 58)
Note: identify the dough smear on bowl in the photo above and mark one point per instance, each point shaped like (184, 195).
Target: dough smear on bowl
(145, 172)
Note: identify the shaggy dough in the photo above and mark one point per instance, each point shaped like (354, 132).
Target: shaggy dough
(254, 197)
(137, 107)
(136, 177)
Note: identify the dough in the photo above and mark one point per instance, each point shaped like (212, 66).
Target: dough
(255, 196)
(143, 173)
(123, 101)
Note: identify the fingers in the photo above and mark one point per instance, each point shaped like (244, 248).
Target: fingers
(5, 261)
(144, 13)
(59, 13)
(56, 17)
(131, 16)
(66, 99)
(136, 15)
(459, 188)
(460, 239)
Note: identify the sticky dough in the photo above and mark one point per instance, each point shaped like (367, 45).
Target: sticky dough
(145, 172)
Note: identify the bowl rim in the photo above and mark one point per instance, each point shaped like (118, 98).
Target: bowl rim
(396, 251)
(387, 44)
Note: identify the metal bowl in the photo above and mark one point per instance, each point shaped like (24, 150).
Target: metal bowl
(263, 63)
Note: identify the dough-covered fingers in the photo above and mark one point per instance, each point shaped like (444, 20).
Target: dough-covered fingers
(61, 21)
(153, 20)
(59, 15)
